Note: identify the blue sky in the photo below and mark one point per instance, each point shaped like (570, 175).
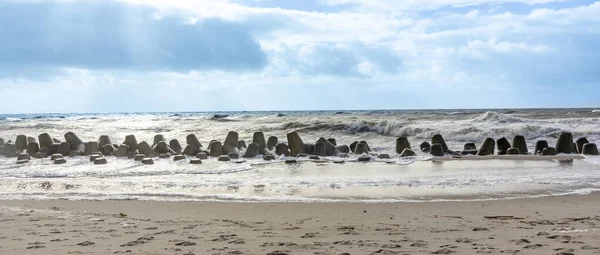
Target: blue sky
(151, 55)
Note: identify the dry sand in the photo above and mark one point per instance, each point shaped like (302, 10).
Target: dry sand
(553, 225)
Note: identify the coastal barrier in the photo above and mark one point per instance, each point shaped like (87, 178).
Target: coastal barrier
(25, 148)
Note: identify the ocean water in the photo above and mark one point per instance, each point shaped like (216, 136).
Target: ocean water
(254, 180)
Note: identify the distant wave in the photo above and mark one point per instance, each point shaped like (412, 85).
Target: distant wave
(477, 128)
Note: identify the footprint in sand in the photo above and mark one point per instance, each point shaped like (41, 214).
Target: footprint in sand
(86, 243)
(443, 251)
(36, 245)
(310, 235)
(141, 240)
(533, 246)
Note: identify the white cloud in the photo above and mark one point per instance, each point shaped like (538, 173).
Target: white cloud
(383, 47)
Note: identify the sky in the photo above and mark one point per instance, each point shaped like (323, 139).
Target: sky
(245, 55)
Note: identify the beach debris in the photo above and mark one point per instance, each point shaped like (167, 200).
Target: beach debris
(480, 229)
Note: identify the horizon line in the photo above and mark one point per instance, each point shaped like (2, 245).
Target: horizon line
(322, 110)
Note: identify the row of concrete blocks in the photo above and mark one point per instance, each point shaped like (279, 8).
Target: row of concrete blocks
(294, 147)
(564, 144)
(73, 146)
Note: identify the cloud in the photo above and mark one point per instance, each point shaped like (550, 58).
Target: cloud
(110, 35)
(337, 59)
(127, 54)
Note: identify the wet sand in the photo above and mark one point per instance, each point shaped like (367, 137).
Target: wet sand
(552, 225)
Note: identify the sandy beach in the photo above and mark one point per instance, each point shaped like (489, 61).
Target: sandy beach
(551, 225)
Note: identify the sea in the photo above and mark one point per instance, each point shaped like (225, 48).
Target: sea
(414, 179)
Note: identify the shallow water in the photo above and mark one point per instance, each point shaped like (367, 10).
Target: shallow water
(414, 179)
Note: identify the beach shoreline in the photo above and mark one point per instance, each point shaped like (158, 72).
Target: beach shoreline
(549, 225)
